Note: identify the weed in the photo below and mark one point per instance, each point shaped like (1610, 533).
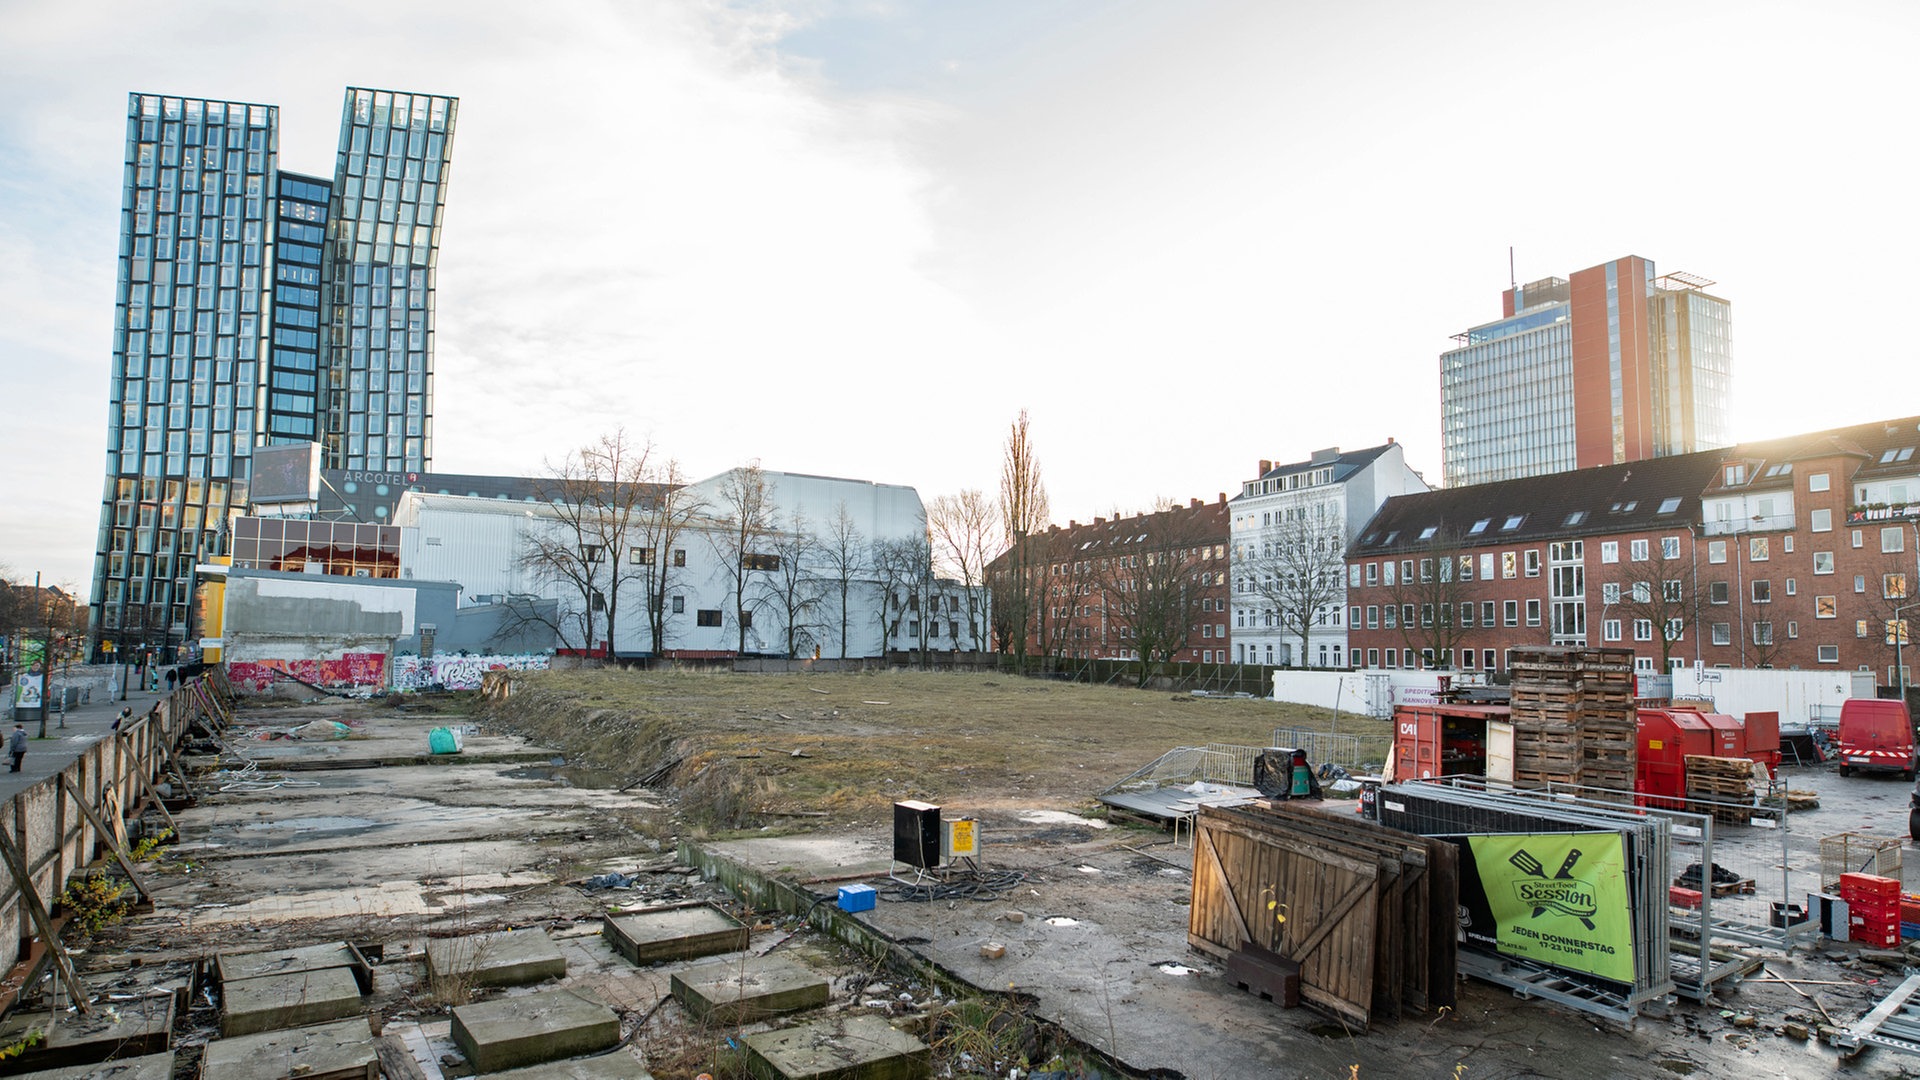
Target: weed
(94, 902)
(148, 848)
(33, 1037)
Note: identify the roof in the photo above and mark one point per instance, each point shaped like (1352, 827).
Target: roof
(1635, 496)
(1344, 464)
(1882, 448)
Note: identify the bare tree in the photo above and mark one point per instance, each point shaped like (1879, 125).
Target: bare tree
(904, 568)
(789, 587)
(1151, 597)
(744, 522)
(1067, 593)
(963, 529)
(1427, 594)
(1297, 572)
(595, 499)
(1023, 510)
(1661, 606)
(658, 555)
(842, 551)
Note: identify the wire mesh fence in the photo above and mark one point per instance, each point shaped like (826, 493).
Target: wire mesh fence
(1321, 747)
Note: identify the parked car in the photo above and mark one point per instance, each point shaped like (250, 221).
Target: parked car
(1876, 733)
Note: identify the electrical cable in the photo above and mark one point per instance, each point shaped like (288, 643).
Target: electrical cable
(980, 885)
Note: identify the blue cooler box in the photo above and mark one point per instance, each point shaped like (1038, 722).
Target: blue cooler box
(856, 898)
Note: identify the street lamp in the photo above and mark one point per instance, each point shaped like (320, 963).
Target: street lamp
(1897, 630)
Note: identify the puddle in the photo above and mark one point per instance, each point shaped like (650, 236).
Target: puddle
(1060, 817)
(319, 824)
(1178, 969)
(1062, 920)
(578, 776)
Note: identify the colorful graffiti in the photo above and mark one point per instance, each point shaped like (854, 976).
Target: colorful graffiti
(350, 672)
(458, 672)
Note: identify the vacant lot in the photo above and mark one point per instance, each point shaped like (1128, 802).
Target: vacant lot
(848, 745)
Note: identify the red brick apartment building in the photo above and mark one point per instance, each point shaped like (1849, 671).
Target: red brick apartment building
(1154, 582)
(1790, 553)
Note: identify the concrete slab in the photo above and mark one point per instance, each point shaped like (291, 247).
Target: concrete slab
(684, 933)
(290, 1000)
(131, 1028)
(236, 966)
(144, 1067)
(507, 1033)
(748, 989)
(849, 1047)
(508, 958)
(618, 1066)
(338, 1051)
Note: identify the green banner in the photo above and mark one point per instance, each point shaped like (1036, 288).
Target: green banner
(1560, 899)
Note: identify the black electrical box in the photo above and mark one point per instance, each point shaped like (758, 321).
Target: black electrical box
(916, 834)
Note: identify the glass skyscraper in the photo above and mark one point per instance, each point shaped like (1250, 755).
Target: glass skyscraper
(259, 307)
(1613, 365)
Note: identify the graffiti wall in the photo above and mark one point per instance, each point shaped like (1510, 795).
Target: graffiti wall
(351, 671)
(458, 672)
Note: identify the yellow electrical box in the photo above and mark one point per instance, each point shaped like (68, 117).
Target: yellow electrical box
(962, 839)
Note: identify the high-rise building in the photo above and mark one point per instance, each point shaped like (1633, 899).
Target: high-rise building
(1615, 364)
(259, 307)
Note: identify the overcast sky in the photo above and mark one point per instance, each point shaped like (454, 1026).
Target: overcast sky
(856, 238)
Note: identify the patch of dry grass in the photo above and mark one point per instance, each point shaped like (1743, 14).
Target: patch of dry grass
(848, 745)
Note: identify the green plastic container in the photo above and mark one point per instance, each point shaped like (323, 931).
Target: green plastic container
(441, 741)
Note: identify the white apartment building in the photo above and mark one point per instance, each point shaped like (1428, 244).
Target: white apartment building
(1319, 504)
(479, 542)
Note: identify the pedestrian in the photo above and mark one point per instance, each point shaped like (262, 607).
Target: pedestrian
(17, 746)
(171, 676)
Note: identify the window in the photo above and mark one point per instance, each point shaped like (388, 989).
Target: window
(1426, 614)
(1826, 607)
(679, 556)
(1512, 523)
(1792, 586)
(1508, 564)
(1793, 629)
(1373, 616)
(1643, 629)
(1466, 568)
(1894, 586)
(1817, 481)
(1716, 551)
(1676, 629)
(1757, 548)
(755, 561)
(1533, 613)
(640, 556)
(593, 553)
(1717, 592)
(1609, 551)
(1823, 562)
(1390, 617)
(1829, 654)
(1426, 570)
(1786, 544)
(1722, 633)
(707, 617)
(1820, 520)
(1353, 577)
(1373, 658)
(1669, 505)
(1387, 573)
(1406, 571)
(1893, 539)
(1639, 549)
(1353, 617)
(1510, 610)
(1672, 591)
(1486, 659)
(1533, 562)
(1763, 633)
(1406, 615)
(1736, 474)
(1859, 583)
(679, 605)
(599, 600)
(1610, 592)
(1610, 630)
(1762, 591)
(1373, 574)
(1669, 547)
(1466, 617)
(1486, 566)
(1860, 628)
(1486, 613)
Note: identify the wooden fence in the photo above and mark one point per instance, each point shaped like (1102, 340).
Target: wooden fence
(60, 826)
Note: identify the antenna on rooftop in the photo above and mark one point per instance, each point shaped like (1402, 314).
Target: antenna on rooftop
(1513, 280)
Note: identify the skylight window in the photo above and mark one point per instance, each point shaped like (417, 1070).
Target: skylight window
(1391, 536)
(1479, 526)
(1668, 506)
(1427, 533)
(1576, 517)
(1513, 522)
(1781, 469)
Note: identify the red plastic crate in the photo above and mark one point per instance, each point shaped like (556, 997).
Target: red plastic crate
(1868, 886)
(1878, 907)
(1689, 898)
(1884, 939)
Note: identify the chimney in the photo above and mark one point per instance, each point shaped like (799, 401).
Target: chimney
(1223, 498)
(1072, 524)
(1265, 467)
(1099, 521)
(1193, 504)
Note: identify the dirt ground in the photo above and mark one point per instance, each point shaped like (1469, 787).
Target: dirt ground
(365, 839)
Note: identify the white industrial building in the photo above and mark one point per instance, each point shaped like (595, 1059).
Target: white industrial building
(480, 543)
(1326, 498)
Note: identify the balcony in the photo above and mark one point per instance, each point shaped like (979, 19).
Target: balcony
(1754, 524)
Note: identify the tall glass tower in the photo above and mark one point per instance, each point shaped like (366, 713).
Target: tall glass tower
(258, 307)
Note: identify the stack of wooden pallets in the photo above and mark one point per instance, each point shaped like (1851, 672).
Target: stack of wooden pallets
(1714, 782)
(1573, 719)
